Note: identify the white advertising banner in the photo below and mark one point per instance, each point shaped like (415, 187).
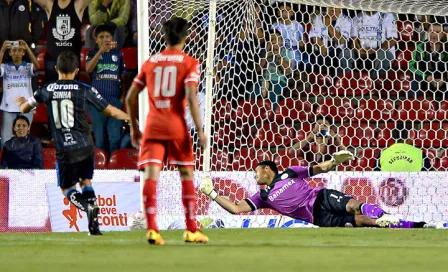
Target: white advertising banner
(32, 198)
(116, 201)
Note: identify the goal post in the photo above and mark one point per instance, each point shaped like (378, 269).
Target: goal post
(267, 80)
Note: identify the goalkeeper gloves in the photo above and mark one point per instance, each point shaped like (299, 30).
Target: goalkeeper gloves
(207, 188)
(342, 156)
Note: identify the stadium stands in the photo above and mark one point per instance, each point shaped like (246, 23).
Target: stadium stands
(123, 159)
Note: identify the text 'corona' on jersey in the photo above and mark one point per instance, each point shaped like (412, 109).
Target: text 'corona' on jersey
(55, 87)
(169, 58)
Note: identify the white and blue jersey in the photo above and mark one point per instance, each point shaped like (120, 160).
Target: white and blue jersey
(16, 82)
(106, 75)
(373, 30)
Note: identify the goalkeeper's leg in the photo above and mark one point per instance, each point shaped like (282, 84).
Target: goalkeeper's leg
(365, 221)
(340, 204)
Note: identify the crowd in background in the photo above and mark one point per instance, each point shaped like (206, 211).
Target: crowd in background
(268, 54)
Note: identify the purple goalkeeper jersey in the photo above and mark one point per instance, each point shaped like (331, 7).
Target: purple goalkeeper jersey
(289, 194)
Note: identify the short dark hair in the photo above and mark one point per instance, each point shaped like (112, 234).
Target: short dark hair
(103, 28)
(175, 30)
(21, 117)
(67, 62)
(327, 118)
(271, 165)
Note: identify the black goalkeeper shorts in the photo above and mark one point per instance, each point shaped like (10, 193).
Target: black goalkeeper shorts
(330, 210)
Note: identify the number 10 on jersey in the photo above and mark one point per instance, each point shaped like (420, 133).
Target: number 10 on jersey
(165, 81)
(63, 113)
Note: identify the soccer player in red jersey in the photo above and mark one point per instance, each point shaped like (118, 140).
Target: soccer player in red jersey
(171, 78)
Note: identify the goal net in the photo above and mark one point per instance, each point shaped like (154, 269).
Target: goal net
(295, 81)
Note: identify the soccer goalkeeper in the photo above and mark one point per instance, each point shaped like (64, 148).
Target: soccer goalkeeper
(289, 194)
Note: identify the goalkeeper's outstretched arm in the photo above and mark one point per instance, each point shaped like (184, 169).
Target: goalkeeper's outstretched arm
(208, 189)
(338, 158)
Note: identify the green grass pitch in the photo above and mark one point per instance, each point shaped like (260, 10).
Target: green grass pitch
(230, 250)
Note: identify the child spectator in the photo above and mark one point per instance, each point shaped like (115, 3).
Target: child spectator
(16, 76)
(114, 13)
(22, 151)
(106, 65)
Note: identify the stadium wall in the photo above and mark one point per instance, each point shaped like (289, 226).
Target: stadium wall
(31, 202)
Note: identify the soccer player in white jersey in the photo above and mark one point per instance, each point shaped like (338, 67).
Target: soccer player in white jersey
(329, 33)
(16, 76)
(375, 37)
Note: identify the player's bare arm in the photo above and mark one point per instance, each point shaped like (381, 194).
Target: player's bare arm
(81, 6)
(193, 105)
(45, 4)
(131, 106)
(338, 158)
(116, 113)
(23, 104)
(208, 189)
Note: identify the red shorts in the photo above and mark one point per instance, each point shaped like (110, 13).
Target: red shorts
(178, 152)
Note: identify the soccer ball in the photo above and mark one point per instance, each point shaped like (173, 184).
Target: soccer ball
(137, 221)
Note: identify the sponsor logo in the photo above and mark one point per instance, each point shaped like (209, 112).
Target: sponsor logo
(401, 158)
(106, 77)
(107, 66)
(16, 85)
(393, 192)
(108, 215)
(281, 190)
(63, 31)
(71, 214)
(173, 58)
(55, 86)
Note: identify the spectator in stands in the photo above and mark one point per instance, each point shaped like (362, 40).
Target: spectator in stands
(320, 143)
(132, 23)
(238, 60)
(16, 76)
(292, 32)
(330, 34)
(114, 13)
(22, 151)
(278, 66)
(106, 65)
(374, 35)
(64, 30)
(401, 156)
(20, 20)
(429, 64)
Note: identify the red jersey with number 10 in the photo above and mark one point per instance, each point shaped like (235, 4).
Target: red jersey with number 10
(165, 75)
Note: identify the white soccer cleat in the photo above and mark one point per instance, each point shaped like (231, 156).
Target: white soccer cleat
(434, 225)
(386, 220)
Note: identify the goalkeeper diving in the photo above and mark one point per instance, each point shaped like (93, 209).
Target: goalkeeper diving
(289, 194)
